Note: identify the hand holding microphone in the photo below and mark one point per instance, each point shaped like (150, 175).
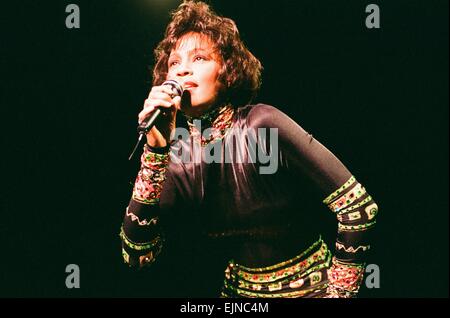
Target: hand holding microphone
(157, 119)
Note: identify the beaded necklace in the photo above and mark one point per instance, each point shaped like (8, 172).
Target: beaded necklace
(219, 120)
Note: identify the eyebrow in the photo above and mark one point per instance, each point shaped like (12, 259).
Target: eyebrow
(193, 51)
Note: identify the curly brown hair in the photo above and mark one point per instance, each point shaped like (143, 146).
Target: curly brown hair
(241, 70)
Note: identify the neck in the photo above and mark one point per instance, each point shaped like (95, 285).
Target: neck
(219, 118)
(209, 116)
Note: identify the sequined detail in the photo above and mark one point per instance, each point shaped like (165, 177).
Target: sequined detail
(336, 193)
(347, 198)
(371, 211)
(355, 228)
(302, 276)
(356, 213)
(219, 120)
(156, 242)
(351, 216)
(148, 186)
(355, 206)
(344, 279)
(126, 256)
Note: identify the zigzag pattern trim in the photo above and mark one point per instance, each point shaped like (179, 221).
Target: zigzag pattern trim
(144, 222)
(340, 246)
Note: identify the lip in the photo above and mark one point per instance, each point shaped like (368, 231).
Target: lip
(189, 85)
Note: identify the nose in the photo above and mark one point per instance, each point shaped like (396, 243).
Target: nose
(184, 70)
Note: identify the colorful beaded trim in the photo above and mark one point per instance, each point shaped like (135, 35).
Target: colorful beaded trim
(336, 193)
(272, 276)
(140, 246)
(126, 256)
(355, 228)
(344, 279)
(148, 186)
(144, 260)
(293, 282)
(348, 198)
(299, 278)
(351, 216)
(370, 211)
(283, 264)
(355, 206)
(219, 120)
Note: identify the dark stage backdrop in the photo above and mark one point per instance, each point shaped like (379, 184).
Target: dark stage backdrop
(377, 98)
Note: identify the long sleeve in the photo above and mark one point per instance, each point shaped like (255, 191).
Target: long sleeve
(356, 214)
(354, 208)
(141, 234)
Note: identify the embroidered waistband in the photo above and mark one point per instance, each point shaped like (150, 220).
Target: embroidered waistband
(302, 276)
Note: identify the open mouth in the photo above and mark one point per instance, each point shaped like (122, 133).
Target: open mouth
(190, 85)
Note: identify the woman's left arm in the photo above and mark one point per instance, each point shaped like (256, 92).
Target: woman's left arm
(351, 203)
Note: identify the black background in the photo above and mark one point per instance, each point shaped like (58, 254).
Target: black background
(377, 98)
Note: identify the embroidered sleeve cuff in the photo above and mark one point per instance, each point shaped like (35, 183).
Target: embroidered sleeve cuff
(356, 213)
(140, 254)
(148, 186)
(158, 150)
(344, 279)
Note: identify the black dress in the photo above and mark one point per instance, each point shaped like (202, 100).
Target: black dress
(246, 200)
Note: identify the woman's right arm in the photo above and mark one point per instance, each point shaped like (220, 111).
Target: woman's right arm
(141, 234)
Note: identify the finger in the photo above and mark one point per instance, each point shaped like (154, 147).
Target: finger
(177, 102)
(160, 95)
(145, 113)
(150, 107)
(167, 89)
(156, 103)
(161, 89)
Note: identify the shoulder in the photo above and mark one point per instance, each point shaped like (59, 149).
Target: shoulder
(260, 110)
(263, 115)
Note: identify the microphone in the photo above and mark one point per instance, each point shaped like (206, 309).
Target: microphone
(147, 124)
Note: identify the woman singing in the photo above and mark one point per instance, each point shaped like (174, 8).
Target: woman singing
(238, 193)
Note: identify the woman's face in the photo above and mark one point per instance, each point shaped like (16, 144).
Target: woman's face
(196, 65)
